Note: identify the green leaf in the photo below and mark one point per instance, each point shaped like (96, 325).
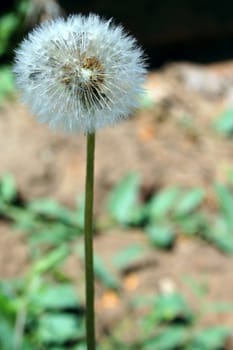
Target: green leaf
(52, 235)
(108, 279)
(58, 328)
(8, 24)
(51, 209)
(224, 123)
(191, 201)
(51, 260)
(225, 199)
(128, 256)
(170, 339)
(192, 223)
(7, 305)
(220, 235)
(56, 297)
(168, 307)
(163, 202)
(139, 215)
(213, 338)
(23, 219)
(123, 198)
(8, 190)
(161, 236)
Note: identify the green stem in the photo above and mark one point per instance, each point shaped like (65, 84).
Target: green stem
(90, 317)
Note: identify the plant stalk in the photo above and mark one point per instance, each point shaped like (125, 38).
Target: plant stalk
(89, 261)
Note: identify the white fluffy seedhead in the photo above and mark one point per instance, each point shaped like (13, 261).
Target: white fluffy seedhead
(80, 74)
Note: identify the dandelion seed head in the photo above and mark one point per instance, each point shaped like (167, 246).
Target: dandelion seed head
(80, 74)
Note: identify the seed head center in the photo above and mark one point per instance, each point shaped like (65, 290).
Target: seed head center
(88, 72)
(85, 75)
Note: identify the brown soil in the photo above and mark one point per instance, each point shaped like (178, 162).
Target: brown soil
(171, 143)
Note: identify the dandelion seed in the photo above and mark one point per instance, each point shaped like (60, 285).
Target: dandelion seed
(80, 74)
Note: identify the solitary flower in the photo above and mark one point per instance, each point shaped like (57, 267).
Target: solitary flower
(80, 74)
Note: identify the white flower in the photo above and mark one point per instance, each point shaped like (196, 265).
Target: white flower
(80, 74)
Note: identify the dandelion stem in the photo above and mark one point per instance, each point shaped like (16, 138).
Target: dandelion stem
(90, 317)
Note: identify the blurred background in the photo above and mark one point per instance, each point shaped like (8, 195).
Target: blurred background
(163, 193)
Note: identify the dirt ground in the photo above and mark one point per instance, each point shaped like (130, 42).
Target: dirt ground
(172, 142)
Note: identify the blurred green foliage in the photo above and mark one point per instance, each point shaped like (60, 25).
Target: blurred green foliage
(168, 213)
(12, 28)
(42, 309)
(37, 312)
(171, 324)
(172, 211)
